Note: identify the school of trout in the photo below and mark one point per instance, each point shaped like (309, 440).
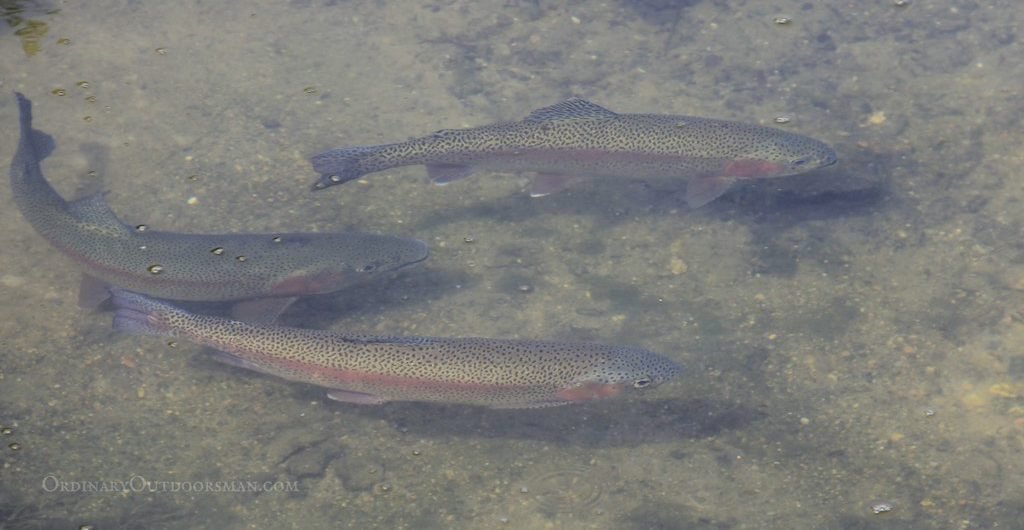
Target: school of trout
(138, 268)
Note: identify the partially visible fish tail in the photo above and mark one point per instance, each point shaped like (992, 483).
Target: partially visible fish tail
(339, 166)
(140, 315)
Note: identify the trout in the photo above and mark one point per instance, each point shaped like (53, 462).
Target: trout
(371, 370)
(263, 273)
(576, 138)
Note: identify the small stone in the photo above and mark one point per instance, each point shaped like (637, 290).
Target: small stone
(10, 280)
(877, 118)
(678, 266)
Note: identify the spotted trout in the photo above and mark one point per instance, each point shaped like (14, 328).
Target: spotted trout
(576, 138)
(371, 370)
(262, 272)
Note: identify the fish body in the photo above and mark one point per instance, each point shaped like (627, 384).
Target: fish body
(264, 272)
(368, 369)
(577, 138)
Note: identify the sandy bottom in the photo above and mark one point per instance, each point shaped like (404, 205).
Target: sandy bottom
(852, 337)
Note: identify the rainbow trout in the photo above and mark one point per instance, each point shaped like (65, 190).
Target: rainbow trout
(577, 138)
(262, 272)
(371, 370)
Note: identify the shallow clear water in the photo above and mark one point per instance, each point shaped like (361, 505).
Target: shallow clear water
(852, 337)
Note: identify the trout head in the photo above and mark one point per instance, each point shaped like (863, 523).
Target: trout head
(780, 154)
(624, 369)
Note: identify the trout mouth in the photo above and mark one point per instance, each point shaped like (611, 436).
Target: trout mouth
(810, 162)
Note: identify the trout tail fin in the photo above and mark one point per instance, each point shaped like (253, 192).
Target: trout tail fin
(140, 315)
(339, 166)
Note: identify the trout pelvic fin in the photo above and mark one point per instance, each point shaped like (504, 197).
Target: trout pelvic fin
(359, 398)
(442, 174)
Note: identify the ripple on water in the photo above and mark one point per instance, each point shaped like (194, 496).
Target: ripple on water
(572, 489)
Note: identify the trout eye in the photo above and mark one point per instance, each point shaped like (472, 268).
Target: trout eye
(643, 382)
(799, 161)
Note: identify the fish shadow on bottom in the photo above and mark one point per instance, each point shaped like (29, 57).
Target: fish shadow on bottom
(610, 423)
(417, 287)
(807, 196)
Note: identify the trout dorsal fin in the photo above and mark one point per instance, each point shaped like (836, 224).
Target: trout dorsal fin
(94, 211)
(571, 109)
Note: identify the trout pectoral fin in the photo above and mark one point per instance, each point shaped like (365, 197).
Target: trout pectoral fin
(261, 310)
(548, 183)
(702, 190)
(234, 360)
(359, 398)
(442, 174)
(92, 292)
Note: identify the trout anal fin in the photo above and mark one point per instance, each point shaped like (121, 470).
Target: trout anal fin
(547, 183)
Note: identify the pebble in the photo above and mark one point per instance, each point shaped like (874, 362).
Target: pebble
(10, 280)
